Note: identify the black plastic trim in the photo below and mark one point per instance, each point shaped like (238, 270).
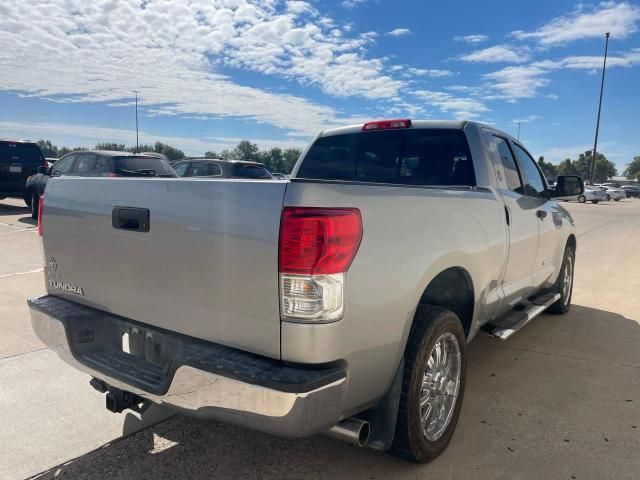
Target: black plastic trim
(94, 338)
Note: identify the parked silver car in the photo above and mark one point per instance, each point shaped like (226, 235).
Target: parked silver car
(612, 193)
(590, 194)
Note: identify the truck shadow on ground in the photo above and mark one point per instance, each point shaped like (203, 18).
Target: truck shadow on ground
(526, 399)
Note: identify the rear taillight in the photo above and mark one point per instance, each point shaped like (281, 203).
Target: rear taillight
(387, 124)
(317, 246)
(40, 211)
(114, 175)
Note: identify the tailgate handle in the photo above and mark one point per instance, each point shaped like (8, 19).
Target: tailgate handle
(129, 218)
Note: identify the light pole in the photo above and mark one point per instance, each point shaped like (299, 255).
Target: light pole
(595, 142)
(137, 146)
(519, 130)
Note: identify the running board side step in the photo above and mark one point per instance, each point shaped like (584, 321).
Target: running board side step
(513, 321)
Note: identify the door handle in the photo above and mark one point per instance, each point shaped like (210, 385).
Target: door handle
(541, 214)
(129, 218)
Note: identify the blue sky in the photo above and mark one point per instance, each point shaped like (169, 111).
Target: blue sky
(276, 72)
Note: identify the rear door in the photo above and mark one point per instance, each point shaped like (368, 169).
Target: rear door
(520, 213)
(547, 214)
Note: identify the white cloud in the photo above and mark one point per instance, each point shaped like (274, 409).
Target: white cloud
(527, 119)
(460, 107)
(471, 38)
(72, 135)
(512, 83)
(352, 3)
(593, 62)
(620, 19)
(399, 32)
(525, 81)
(497, 54)
(172, 52)
(428, 72)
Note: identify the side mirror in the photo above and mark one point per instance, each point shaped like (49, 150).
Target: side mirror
(569, 186)
(43, 170)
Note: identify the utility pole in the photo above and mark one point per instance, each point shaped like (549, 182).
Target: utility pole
(595, 143)
(137, 144)
(519, 130)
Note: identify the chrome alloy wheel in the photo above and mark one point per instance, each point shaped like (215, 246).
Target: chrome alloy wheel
(567, 279)
(440, 386)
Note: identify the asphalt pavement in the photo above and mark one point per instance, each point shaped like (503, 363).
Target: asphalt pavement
(558, 400)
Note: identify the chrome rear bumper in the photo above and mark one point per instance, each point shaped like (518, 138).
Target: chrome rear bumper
(280, 409)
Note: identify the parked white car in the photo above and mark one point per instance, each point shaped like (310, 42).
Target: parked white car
(590, 194)
(612, 193)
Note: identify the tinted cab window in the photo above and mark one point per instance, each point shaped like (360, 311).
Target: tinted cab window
(512, 175)
(437, 157)
(534, 183)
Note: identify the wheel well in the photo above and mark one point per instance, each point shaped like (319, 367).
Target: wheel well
(452, 289)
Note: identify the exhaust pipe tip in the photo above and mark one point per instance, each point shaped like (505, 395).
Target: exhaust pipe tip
(352, 430)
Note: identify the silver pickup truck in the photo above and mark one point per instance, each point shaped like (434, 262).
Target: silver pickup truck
(339, 301)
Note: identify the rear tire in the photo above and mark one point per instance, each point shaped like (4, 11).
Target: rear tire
(35, 204)
(582, 199)
(564, 283)
(608, 197)
(616, 199)
(432, 386)
(595, 202)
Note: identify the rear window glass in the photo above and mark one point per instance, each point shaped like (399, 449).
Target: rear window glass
(24, 154)
(250, 171)
(406, 157)
(144, 165)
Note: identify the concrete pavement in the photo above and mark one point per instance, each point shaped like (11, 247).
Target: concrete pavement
(48, 412)
(560, 399)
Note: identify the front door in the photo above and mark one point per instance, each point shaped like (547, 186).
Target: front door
(548, 216)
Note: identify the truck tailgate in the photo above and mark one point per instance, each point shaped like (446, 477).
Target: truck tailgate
(207, 266)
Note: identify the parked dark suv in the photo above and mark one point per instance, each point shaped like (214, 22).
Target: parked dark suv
(18, 161)
(95, 163)
(214, 167)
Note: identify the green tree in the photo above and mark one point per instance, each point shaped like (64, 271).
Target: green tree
(48, 149)
(273, 159)
(245, 150)
(119, 147)
(211, 154)
(567, 167)
(549, 170)
(171, 152)
(62, 151)
(604, 169)
(291, 156)
(633, 169)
